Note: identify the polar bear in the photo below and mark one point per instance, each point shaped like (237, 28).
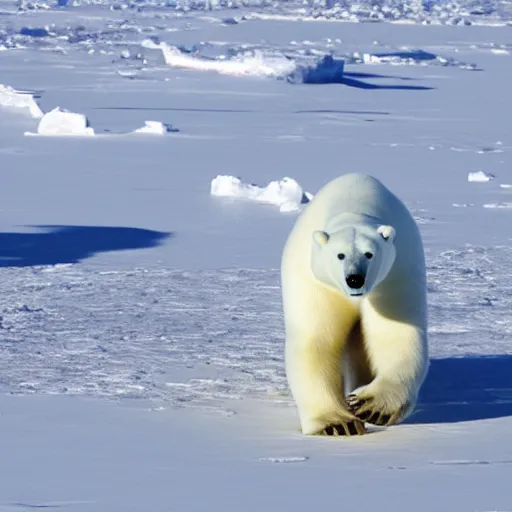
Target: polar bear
(355, 308)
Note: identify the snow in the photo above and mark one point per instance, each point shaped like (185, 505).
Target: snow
(286, 193)
(141, 336)
(480, 177)
(12, 98)
(87, 454)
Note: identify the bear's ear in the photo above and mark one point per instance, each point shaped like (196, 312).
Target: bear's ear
(320, 237)
(387, 232)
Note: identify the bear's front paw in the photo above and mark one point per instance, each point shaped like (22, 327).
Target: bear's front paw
(345, 428)
(382, 409)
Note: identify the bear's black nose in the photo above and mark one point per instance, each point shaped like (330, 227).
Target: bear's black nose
(355, 281)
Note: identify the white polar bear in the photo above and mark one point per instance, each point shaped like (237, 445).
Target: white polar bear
(355, 308)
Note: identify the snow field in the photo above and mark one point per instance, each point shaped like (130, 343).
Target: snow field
(198, 338)
(142, 364)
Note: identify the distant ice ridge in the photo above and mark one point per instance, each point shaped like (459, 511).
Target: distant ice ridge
(287, 194)
(13, 98)
(254, 63)
(443, 12)
(501, 206)
(461, 13)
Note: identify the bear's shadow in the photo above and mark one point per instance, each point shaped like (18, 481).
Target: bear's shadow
(465, 389)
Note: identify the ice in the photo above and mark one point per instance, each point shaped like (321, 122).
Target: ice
(327, 70)
(61, 122)
(500, 206)
(286, 193)
(12, 98)
(491, 13)
(464, 13)
(155, 128)
(480, 177)
(255, 64)
(284, 460)
(409, 57)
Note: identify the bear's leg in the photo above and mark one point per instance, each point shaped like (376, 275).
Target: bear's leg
(356, 366)
(397, 353)
(314, 372)
(314, 376)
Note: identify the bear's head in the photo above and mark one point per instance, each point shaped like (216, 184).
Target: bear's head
(355, 259)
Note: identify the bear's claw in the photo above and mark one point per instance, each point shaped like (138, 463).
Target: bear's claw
(354, 402)
(363, 410)
(350, 428)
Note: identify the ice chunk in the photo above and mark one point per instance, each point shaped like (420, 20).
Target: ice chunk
(284, 460)
(12, 98)
(326, 70)
(156, 128)
(287, 194)
(59, 122)
(480, 176)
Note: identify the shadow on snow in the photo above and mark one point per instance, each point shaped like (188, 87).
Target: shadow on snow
(70, 244)
(415, 55)
(465, 389)
(349, 81)
(334, 111)
(329, 70)
(181, 109)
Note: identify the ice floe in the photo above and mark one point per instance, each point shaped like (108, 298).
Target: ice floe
(286, 193)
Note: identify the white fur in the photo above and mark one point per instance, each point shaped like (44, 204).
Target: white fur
(352, 215)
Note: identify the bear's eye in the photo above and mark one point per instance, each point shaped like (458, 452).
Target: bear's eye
(341, 256)
(369, 255)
